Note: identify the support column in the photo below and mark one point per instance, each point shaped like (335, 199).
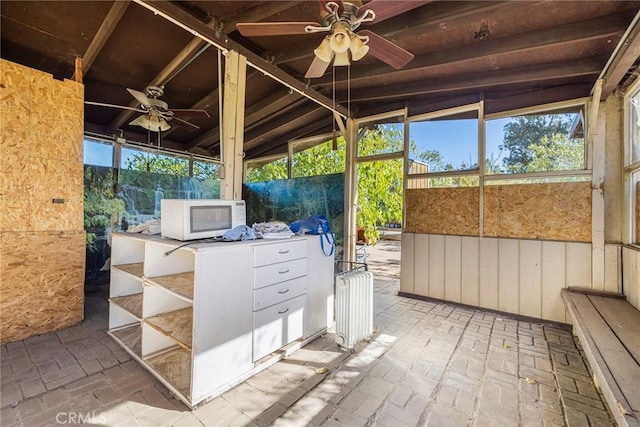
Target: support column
(597, 143)
(350, 192)
(233, 126)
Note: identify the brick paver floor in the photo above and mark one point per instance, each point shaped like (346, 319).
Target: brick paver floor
(429, 363)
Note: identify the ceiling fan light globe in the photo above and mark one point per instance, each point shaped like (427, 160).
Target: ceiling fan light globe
(324, 51)
(152, 123)
(340, 41)
(358, 48)
(341, 60)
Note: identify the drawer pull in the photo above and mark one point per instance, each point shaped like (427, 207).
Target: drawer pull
(285, 271)
(283, 252)
(284, 291)
(283, 311)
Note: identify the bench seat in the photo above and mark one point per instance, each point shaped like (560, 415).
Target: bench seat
(609, 330)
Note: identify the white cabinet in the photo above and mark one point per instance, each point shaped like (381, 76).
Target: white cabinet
(204, 317)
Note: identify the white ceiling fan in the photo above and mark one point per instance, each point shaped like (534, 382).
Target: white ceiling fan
(156, 113)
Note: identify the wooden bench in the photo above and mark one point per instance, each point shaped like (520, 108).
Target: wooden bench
(609, 329)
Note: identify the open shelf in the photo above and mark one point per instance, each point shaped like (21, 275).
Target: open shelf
(130, 336)
(175, 367)
(131, 303)
(180, 284)
(135, 268)
(176, 325)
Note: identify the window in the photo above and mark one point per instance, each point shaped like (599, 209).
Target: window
(632, 163)
(545, 141)
(98, 153)
(321, 159)
(154, 162)
(381, 136)
(443, 144)
(267, 169)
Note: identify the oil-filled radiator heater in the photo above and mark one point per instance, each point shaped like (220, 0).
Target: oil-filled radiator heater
(354, 307)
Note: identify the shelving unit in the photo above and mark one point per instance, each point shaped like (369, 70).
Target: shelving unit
(203, 317)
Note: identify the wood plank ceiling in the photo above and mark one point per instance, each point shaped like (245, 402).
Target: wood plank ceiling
(512, 54)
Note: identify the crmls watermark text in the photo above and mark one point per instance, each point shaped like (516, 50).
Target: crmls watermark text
(81, 417)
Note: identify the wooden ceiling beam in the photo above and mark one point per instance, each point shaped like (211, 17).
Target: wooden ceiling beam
(104, 32)
(254, 113)
(275, 127)
(608, 26)
(419, 20)
(279, 145)
(188, 22)
(481, 80)
(175, 64)
(623, 59)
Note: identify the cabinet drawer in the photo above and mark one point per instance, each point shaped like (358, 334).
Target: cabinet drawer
(276, 273)
(269, 295)
(278, 252)
(277, 326)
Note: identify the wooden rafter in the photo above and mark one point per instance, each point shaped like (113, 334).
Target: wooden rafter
(104, 32)
(564, 34)
(475, 81)
(622, 61)
(185, 20)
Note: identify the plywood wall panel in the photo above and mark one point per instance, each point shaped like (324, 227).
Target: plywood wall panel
(43, 243)
(421, 262)
(436, 266)
(42, 282)
(516, 276)
(488, 280)
(553, 280)
(508, 267)
(612, 268)
(557, 211)
(442, 211)
(407, 266)
(453, 268)
(530, 280)
(631, 275)
(578, 265)
(470, 270)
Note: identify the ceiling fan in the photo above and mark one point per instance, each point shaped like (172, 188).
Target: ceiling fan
(341, 19)
(157, 114)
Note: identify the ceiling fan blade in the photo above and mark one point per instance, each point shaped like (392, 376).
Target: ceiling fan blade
(386, 9)
(190, 113)
(317, 68)
(386, 51)
(273, 28)
(185, 124)
(140, 97)
(122, 107)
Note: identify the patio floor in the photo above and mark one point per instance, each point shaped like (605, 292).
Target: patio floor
(429, 363)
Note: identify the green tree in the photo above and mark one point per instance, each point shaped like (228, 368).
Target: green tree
(556, 152)
(379, 183)
(524, 132)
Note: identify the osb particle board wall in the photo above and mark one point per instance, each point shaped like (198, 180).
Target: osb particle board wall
(41, 243)
(556, 211)
(442, 211)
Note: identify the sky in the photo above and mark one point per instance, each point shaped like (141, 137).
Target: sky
(457, 140)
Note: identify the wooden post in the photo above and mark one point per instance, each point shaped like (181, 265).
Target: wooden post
(78, 71)
(233, 126)
(350, 192)
(597, 143)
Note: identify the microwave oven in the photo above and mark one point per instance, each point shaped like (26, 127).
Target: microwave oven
(191, 219)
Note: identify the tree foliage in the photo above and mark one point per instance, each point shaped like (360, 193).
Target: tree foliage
(523, 133)
(379, 183)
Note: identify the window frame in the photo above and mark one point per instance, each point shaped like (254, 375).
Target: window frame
(631, 169)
